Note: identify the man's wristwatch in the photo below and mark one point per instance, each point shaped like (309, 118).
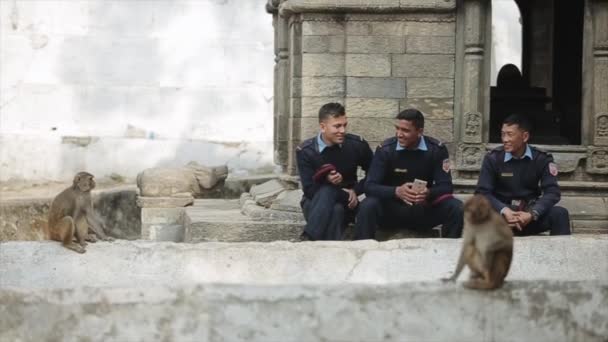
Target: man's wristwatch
(534, 215)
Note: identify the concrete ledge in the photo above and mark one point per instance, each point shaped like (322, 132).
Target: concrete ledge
(37, 265)
(520, 311)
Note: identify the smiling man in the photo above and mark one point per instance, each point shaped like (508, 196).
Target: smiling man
(393, 198)
(327, 164)
(521, 183)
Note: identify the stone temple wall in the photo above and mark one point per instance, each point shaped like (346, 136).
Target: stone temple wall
(375, 63)
(378, 57)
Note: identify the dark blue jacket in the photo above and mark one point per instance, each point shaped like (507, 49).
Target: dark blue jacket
(391, 168)
(519, 179)
(347, 157)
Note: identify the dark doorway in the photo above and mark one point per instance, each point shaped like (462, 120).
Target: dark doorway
(548, 88)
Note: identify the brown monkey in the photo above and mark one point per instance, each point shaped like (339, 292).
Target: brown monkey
(71, 215)
(487, 246)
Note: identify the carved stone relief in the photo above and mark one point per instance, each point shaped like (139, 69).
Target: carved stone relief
(597, 160)
(472, 129)
(601, 129)
(469, 157)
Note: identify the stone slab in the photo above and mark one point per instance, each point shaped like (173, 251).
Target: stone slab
(263, 194)
(288, 201)
(368, 6)
(378, 87)
(223, 220)
(521, 311)
(45, 264)
(164, 202)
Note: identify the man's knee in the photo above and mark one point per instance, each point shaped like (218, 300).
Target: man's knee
(326, 191)
(559, 219)
(559, 213)
(338, 210)
(452, 206)
(370, 205)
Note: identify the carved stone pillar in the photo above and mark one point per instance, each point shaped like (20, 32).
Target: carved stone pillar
(281, 85)
(472, 117)
(600, 73)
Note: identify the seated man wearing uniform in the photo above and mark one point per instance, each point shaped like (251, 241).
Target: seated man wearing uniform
(393, 198)
(510, 177)
(327, 164)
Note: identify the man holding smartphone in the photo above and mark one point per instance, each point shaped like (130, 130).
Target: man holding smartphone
(327, 164)
(409, 184)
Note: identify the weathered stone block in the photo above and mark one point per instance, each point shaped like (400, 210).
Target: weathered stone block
(323, 44)
(322, 28)
(323, 86)
(368, 65)
(430, 87)
(164, 202)
(374, 44)
(288, 201)
(163, 224)
(375, 87)
(311, 105)
(263, 194)
(194, 179)
(308, 127)
(430, 45)
(389, 28)
(423, 65)
(358, 28)
(372, 129)
(362, 107)
(323, 64)
(442, 130)
(421, 28)
(432, 108)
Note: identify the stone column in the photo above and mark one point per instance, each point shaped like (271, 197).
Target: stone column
(597, 158)
(281, 85)
(472, 117)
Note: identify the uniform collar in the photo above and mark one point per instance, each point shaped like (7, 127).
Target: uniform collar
(421, 145)
(509, 156)
(322, 145)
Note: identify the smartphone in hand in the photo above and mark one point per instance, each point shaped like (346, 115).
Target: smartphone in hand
(419, 185)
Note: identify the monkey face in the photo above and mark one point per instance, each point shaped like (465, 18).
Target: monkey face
(477, 209)
(84, 182)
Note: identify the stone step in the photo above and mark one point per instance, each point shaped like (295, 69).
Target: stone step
(242, 220)
(45, 264)
(222, 220)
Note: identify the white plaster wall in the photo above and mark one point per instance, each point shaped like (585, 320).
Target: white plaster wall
(153, 82)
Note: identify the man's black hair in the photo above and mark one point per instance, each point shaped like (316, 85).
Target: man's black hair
(331, 109)
(521, 121)
(413, 115)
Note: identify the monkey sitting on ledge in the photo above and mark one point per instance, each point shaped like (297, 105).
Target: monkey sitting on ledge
(71, 215)
(487, 246)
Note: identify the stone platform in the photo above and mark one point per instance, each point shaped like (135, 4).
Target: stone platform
(46, 264)
(332, 291)
(242, 220)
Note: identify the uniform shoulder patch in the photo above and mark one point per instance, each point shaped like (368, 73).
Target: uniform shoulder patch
(304, 144)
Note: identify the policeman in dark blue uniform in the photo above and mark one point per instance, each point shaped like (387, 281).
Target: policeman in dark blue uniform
(392, 197)
(327, 164)
(510, 177)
